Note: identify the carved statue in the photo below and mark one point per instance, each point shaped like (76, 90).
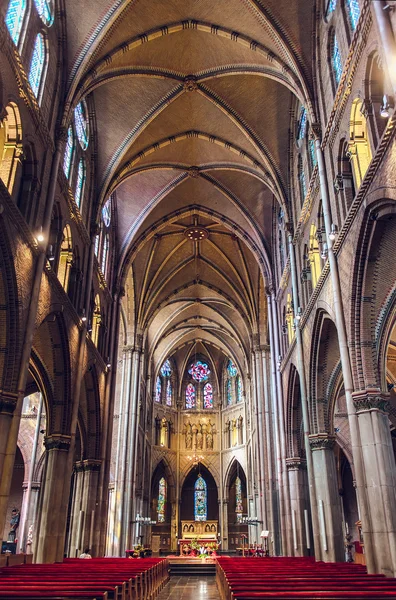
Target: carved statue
(199, 439)
(209, 441)
(188, 434)
(14, 524)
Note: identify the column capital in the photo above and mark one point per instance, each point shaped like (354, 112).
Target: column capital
(91, 464)
(8, 402)
(321, 441)
(57, 441)
(296, 463)
(370, 399)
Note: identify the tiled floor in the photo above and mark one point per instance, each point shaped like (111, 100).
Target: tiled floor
(196, 588)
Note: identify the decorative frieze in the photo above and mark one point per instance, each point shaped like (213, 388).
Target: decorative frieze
(370, 400)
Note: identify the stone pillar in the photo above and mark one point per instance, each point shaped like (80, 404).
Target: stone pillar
(56, 491)
(31, 518)
(88, 502)
(298, 486)
(330, 543)
(75, 519)
(8, 404)
(224, 527)
(379, 530)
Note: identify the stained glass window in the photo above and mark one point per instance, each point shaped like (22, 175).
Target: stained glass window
(336, 60)
(353, 12)
(37, 64)
(239, 389)
(229, 392)
(80, 119)
(200, 499)
(238, 496)
(105, 253)
(80, 182)
(67, 159)
(161, 500)
(302, 125)
(158, 387)
(231, 368)
(106, 213)
(14, 18)
(45, 10)
(190, 396)
(208, 395)
(169, 393)
(331, 6)
(303, 184)
(312, 153)
(97, 238)
(199, 371)
(166, 369)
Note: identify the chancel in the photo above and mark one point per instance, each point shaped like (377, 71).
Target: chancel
(198, 287)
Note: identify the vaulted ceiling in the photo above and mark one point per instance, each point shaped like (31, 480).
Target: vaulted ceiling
(192, 101)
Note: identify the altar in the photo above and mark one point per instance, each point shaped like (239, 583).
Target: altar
(198, 537)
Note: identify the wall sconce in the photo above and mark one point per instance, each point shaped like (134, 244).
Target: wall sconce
(83, 315)
(324, 251)
(386, 108)
(279, 361)
(40, 236)
(50, 252)
(299, 314)
(333, 232)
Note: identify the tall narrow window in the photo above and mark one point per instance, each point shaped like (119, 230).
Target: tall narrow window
(96, 249)
(81, 121)
(46, 11)
(208, 395)
(37, 65)
(314, 257)
(96, 320)
(14, 18)
(200, 500)
(238, 496)
(231, 368)
(105, 253)
(229, 392)
(190, 396)
(80, 182)
(353, 9)
(161, 500)
(302, 125)
(359, 148)
(301, 176)
(290, 318)
(312, 153)
(106, 213)
(67, 159)
(66, 258)
(239, 389)
(336, 60)
(158, 389)
(331, 6)
(166, 369)
(168, 393)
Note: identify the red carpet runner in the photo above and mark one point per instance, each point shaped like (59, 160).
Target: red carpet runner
(303, 578)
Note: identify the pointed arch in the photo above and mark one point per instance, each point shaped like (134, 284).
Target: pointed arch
(10, 145)
(359, 145)
(65, 258)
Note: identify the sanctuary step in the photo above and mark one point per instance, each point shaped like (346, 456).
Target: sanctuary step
(191, 567)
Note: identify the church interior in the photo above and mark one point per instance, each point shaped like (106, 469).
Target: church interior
(197, 281)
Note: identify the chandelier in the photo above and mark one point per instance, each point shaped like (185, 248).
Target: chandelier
(195, 459)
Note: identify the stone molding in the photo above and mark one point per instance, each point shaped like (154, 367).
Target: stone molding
(296, 463)
(321, 441)
(8, 402)
(366, 400)
(57, 441)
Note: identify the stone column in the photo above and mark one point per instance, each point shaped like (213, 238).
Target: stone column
(297, 473)
(331, 544)
(31, 517)
(75, 519)
(56, 491)
(88, 502)
(224, 526)
(8, 402)
(379, 530)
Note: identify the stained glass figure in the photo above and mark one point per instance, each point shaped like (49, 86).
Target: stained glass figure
(238, 496)
(336, 60)
(14, 18)
(199, 371)
(161, 500)
(168, 393)
(312, 153)
(302, 126)
(45, 10)
(166, 369)
(208, 395)
(231, 368)
(353, 12)
(37, 64)
(190, 396)
(239, 389)
(106, 213)
(200, 500)
(81, 121)
(229, 392)
(67, 159)
(80, 182)
(158, 388)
